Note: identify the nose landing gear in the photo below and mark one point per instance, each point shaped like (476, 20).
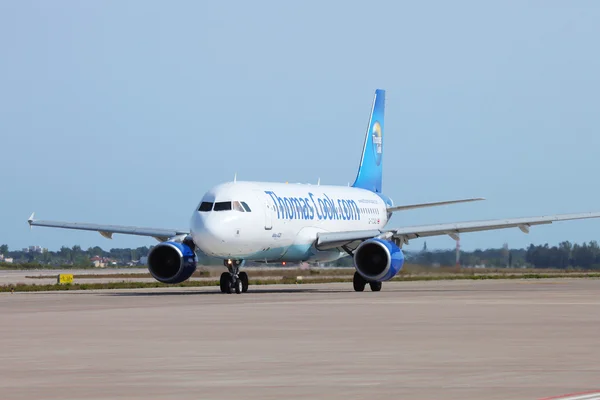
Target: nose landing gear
(234, 280)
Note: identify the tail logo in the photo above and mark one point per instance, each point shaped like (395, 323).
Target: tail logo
(377, 142)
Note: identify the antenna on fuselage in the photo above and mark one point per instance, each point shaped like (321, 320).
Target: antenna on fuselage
(319, 182)
(235, 178)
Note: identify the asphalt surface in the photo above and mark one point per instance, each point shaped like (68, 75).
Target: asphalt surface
(414, 340)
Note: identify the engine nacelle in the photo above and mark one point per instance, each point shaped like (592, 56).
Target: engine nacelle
(378, 260)
(171, 262)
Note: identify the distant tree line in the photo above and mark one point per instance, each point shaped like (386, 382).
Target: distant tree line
(495, 258)
(565, 255)
(74, 255)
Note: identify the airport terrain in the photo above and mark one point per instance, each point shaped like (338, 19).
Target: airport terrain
(129, 278)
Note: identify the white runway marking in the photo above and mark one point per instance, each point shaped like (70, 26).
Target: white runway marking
(580, 396)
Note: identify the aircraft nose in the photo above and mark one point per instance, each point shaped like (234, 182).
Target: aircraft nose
(207, 233)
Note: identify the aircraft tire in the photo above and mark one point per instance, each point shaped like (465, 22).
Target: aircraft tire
(244, 278)
(375, 286)
(224, 282)
(238, 286)
(358, 282)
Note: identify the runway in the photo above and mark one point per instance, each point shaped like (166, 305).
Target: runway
(414, 340)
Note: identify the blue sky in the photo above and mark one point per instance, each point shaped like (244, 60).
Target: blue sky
(126, 112)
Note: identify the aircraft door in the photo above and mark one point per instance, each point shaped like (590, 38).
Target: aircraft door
(268, 216)
(268, 209)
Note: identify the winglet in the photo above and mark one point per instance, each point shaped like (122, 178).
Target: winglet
(30, 219)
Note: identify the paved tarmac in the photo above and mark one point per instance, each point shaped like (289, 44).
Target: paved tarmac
(414, 340)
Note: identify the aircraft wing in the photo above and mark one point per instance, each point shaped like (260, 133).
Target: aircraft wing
(107, 230)
(330, 240)
(435, 204)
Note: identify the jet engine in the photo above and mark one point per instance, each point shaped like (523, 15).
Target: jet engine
(378, 260)
(172, 262)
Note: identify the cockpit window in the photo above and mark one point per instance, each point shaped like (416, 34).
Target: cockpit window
(237, 206)
(240, 206)
(222, 206)
(205, 206)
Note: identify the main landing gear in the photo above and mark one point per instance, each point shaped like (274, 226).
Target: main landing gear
(234, 280)
(359, 283)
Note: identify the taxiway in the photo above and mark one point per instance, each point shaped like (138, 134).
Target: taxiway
(414, 340)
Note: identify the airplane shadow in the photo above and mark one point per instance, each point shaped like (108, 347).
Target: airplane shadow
(217, 292)
(252, 291)
(259, 290)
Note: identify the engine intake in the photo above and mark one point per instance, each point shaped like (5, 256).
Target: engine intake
(171, 262)
(378, 260)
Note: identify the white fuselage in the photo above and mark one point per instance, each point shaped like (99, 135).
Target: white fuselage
(283, 219)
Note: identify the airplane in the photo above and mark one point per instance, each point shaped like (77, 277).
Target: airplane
(271, 222)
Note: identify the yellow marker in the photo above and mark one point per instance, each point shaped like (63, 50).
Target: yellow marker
(65, 278)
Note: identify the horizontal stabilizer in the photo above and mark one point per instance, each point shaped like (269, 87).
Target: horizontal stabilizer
(438, 203)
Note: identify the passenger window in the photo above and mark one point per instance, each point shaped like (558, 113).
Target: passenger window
(222, 206)
(205, 206)
(237, 206)
(245, 206)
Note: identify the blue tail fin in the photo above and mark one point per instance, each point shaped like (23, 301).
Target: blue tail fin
(371, 162)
